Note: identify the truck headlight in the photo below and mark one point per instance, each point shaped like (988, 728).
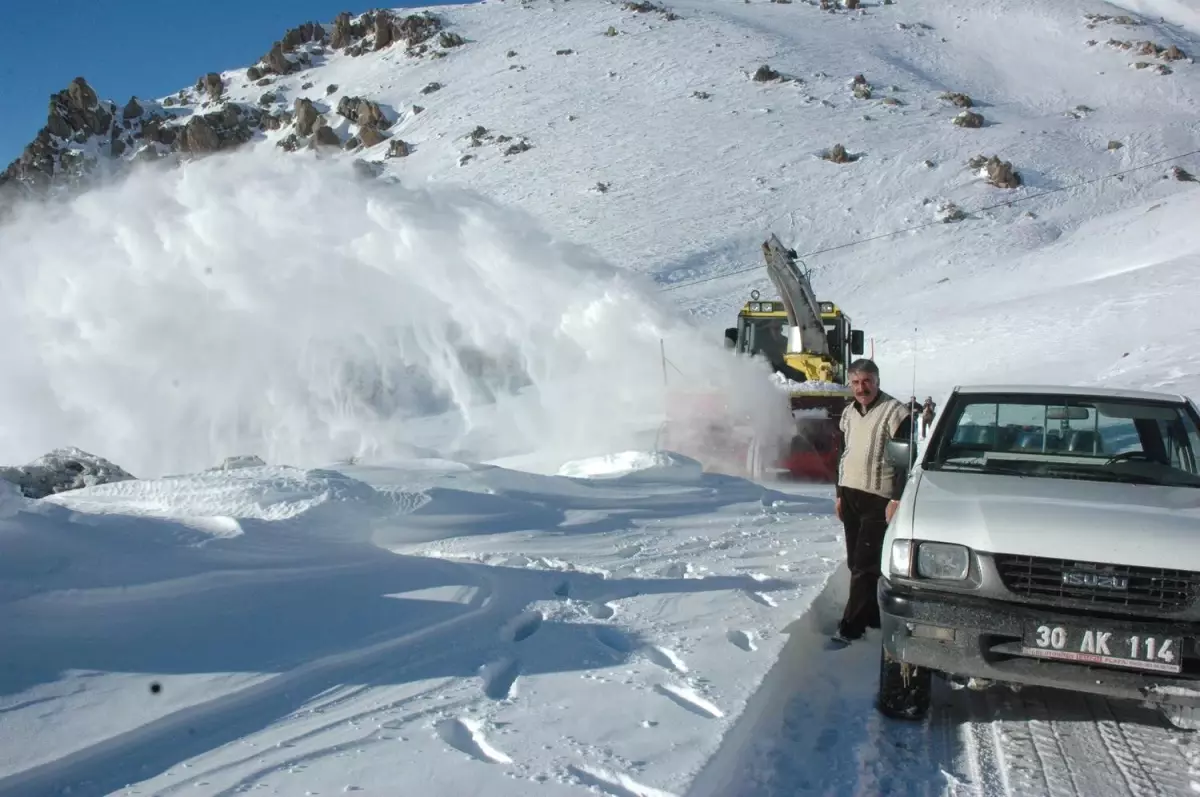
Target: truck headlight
(941, 560)
(901, 563)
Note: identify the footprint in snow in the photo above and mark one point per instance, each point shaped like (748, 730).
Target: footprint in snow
(466, 735)
(666, 658)
(601, 611)
(615, 784)
(522, 626)
(690, 699)
(612, 638)
(759, 597)
(499, 677)
(742, 639)
(676, 570)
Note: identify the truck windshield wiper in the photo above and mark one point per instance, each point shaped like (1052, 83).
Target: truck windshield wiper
(981, 467)
(1099, 475)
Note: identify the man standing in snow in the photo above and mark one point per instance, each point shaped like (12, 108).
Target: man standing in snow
(868, 490)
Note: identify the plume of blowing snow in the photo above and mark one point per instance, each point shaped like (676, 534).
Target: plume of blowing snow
(286, 307)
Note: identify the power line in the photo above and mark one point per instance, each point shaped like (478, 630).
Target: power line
(914, 228)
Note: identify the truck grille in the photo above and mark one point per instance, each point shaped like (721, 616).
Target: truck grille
(1145, 588)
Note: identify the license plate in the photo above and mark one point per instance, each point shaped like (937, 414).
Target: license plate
(1097, 645)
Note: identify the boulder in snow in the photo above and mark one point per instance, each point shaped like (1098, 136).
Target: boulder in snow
(956, 98)
(969, 119)
(241, 461)
(1001, 173)
(61, 470)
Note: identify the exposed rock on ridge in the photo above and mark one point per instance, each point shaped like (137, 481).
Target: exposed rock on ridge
(81, 130)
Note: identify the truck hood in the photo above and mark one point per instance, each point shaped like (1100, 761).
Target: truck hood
(1105, 522)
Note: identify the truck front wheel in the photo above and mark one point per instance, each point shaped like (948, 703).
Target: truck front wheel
(904, 689)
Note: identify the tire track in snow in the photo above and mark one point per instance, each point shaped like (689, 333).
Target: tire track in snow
(1143, 747)
(1047, 746)
(812, 728)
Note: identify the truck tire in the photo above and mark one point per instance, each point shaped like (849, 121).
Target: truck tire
(904, 689)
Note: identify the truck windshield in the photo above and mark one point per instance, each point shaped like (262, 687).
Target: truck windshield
(1124, 440)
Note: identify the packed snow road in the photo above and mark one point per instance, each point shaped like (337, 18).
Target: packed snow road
(813, 729)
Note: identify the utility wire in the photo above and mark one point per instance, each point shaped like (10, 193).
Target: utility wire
(914, 228)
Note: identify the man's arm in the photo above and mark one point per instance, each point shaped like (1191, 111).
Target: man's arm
(841, 441)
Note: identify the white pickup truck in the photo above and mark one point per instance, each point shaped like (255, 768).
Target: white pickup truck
(1047, 536)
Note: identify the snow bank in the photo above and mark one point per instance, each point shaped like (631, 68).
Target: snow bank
(217, 501)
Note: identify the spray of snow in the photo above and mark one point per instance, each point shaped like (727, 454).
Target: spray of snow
(286, 307)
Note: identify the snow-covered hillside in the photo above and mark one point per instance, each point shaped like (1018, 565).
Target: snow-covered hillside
(464, 568)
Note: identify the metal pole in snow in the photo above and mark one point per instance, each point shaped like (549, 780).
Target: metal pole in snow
(662, 349)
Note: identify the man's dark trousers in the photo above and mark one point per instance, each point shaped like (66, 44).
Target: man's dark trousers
(865, 521)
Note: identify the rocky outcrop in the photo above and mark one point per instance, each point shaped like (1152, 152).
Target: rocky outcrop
(289, 54)
(212, 85)
(306, 116)
(61, 470)
(370, 118)
(82, 130)
(325, 137)
(643, 7)
(76, 115)
(363, 112)
(377, 30)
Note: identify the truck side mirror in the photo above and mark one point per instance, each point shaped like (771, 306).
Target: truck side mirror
(899, 454)
(856, 342)
(731, 338)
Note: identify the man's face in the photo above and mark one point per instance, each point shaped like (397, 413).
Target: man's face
(865, 387)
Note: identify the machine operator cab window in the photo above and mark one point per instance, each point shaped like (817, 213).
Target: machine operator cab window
(768, 335)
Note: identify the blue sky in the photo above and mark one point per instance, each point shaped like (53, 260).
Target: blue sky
(133, 47)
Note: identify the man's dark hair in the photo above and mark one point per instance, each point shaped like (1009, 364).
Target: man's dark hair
(863, 365)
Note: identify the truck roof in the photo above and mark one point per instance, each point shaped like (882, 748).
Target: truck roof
(1073, 390)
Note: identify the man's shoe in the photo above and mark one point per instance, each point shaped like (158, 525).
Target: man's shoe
(842, 638)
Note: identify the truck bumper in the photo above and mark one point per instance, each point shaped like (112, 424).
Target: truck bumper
(971, 637)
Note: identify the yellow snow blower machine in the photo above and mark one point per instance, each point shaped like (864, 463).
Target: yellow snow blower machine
(809, 345)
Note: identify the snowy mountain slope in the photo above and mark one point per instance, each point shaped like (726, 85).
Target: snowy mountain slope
(474, 629)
